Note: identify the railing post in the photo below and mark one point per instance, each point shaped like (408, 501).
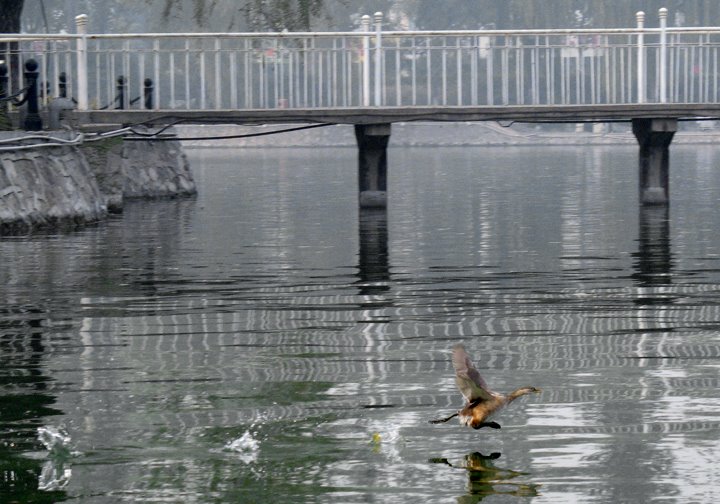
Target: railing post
(378, 59)
(3, 83)
(62, 85)
(121, 93)
(641, 56)
(156, 63)
(4, 91)
(663, 13)
(148, 93)
(81, 22)
(365, 23)
(32, 119)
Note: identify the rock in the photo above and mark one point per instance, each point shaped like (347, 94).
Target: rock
(37, 191)
(142, 168)
(66, 186)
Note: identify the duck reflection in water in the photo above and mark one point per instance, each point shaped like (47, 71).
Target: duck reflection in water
(485, 479)
(481, 402)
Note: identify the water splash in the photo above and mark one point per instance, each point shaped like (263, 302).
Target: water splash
(386, 438)
(247, 447)
(54, 438)
(55, 473)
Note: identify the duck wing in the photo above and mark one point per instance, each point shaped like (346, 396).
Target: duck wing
(468, 379)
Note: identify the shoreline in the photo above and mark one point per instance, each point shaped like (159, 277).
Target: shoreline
(53, 180)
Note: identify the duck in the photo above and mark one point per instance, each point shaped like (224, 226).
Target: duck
(480, 401)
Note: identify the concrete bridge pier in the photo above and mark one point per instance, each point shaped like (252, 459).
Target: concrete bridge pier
(372, 140)
(654, 137)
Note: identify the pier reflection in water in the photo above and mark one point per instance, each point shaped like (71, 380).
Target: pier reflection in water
(654, 258)
(268, 341)
(373, 266)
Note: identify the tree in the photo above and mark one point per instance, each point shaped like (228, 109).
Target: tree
(10, 12)
(282, 15)
(258, 15)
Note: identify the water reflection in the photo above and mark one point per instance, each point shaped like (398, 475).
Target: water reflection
(56, 471)
(485, 479)
(24, 402)
(256, 340)
(653, 260)
(373, 266)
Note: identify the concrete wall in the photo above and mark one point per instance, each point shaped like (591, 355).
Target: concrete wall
(139, 169)
(66, 186)
(51, 187)
(155, 169)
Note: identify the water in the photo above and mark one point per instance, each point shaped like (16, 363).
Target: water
(265, 342)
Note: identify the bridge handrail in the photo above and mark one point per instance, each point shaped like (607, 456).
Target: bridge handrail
(18, 37)
(373, 67)
(9, 37)
(396, 33)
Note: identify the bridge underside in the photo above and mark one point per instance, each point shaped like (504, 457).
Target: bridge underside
(653, 125)
(383, 115)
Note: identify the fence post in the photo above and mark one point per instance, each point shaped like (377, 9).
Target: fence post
(3, 83)
(32, 119)
(62, 85)
(156, 64)
(663, 12)
(81, 22)
(641, 56)
(121, 98)
(365, 23)
(148, 93)
(378, 59)
(4, 90)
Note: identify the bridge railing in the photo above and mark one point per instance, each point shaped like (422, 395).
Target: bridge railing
(55, 54)
(372, 67)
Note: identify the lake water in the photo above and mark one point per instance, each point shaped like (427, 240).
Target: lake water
(267, 342)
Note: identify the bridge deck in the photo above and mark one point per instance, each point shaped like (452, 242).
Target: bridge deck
(374, 115)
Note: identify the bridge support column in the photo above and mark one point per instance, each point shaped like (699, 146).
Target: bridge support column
(654, 137)
(372, 140)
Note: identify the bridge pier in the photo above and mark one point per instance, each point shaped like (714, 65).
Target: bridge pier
(654, 137)
(372, 140)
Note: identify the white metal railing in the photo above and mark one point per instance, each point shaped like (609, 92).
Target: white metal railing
(206, 71)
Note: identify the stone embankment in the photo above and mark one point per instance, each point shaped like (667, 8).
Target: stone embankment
(57, 184)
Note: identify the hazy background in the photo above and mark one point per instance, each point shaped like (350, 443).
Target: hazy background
(252, 15)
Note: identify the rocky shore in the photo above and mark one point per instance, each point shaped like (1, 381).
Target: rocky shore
(55, 181)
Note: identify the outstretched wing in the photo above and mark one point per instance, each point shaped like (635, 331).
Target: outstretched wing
(468, 379)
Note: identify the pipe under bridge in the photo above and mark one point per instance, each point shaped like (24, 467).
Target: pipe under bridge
(371, 78)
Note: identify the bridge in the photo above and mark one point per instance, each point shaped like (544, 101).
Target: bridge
(371, 78)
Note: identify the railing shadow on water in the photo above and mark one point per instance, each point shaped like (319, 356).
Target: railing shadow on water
(486, 479)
